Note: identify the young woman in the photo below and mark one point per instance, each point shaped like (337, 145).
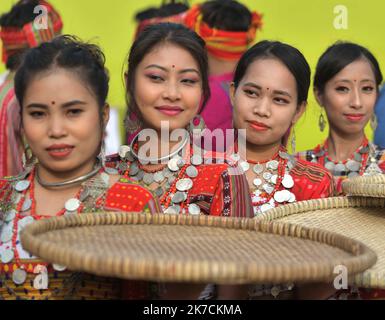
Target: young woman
(167, 87)
(62, 88)
(228, 28)
(346, 85)
(269, 95)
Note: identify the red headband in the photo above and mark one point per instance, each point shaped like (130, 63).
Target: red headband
(223, 44)
(14, 39)
(177, 18)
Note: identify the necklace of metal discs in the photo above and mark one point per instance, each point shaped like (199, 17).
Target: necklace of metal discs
(272, 175)
(172, 180)
(92, 192)
(351, 167)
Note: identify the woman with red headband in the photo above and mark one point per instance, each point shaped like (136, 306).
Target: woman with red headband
(228, 28)
(19, 32)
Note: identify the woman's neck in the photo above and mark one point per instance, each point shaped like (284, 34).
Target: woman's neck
(48, 175)
(159, 145)
(260, 153)
(342, 146)
(219, 66)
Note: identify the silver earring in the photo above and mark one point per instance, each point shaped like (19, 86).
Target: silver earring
(194, 126)
(102, 154)
(132, 125)
(293, 146)
(321, 122)
(373, 122)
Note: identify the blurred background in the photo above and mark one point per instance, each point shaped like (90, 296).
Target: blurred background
(308, 25)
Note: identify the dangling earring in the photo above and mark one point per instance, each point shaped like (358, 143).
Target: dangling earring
(321, 122)
(102, 154)
(293, 146)
(28, 158)
(132, 123)
(373, 122)
(194, 126)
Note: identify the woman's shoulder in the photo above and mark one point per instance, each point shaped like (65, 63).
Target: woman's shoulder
(310, 170)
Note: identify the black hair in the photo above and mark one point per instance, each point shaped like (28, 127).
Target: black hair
(291, 57)
(67, 52)
(156, 34)
(227, 15)
(19, 15)
(337, 57)
(168, 8)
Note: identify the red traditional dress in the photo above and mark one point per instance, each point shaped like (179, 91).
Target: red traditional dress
(367, 159)
(23, 276)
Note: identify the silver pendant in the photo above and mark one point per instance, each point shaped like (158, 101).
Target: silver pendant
(244, 165)
(353, 165)
(123, 166)
(357, 157)
(26, 205)
(167, 173)
(268, 188)
(196, 160)
(265, 207)
(19, 276)
(72, 204)
(59, 267)
(267, 175)
(179, 197)
(287, 181)
(158, 177)
(364, 150)
(173, 210)
(257, 182)
(339, 168)
(180, 163)
(284, 155)
(235, 157)
(274, 179)
(134, 169)
(194, 209)
(105, 178)
(41, 281)
(7, 255)
(353, 174)
(159, 191)
(273, 165)
(184, 184)
(173, 164)
(292, 198)
(148, 178)
(139, 176)
(258, 168)
(6, 233)
(330, 166)
(192, 172)
(10, 215)
(123, 150)
(22, 185)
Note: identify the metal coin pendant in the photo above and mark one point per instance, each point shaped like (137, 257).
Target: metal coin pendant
(105, 178)
(26, 205)
(173, 164)
(123, 151)
(288, 181)
(19, 276)
(7, 256)
(10, 215)
(196, 160)
(172, 210)
(167, 173)
(267, 175)
(265, 207)
(274, 179)
(192, 172)
(148, 178)
(258, 168)
(353, 174)
(194, 209)
(22, 185)
(123, 166)
(278, 197)
(159, 191)
(286, 194)
(283, 155)
(339, 168)
(184, 184)
(244, 165)
(330, 166)
(273, 164)
(180, 163)
(158, 177)
(140, 175)
(235, 157)
(268, 188)
(84, 194)
(292, 198)
(59, 267)
(134, 169)
(257, 182)
(72, 204)
(179, 197)
(353, 165)
(364, 150)
(6, 233)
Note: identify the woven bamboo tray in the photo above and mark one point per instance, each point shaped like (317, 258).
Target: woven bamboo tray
(193, 248)
(362, 219)
(368, 186)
